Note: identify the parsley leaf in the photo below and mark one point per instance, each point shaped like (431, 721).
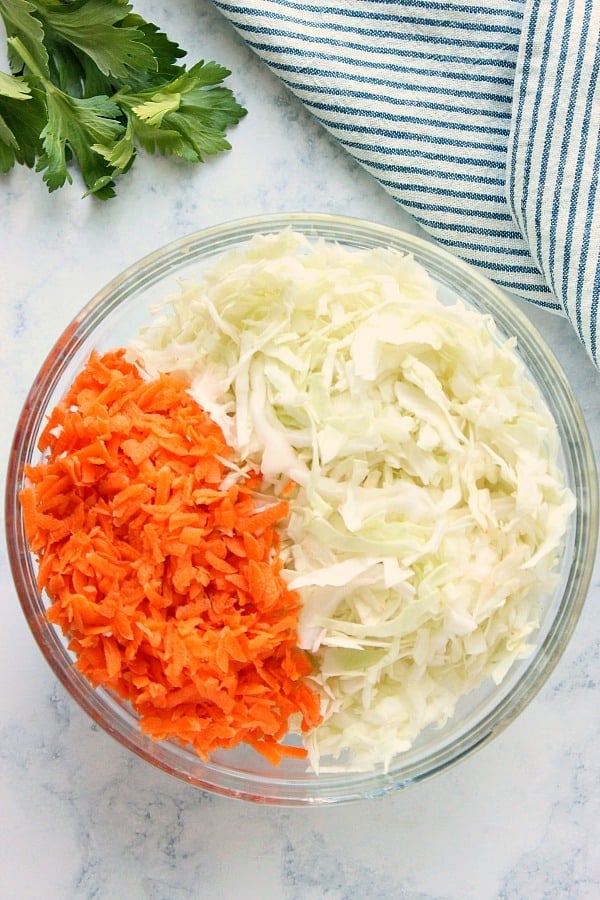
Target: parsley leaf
(8, 145)
(91, 29)
(25, 119)
(166, 53)
(73, 126)
(20, 21)
(98, 81)
(78, 125)
(187, 117)
(13, 87)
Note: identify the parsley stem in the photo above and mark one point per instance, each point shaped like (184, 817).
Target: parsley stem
(18, 45)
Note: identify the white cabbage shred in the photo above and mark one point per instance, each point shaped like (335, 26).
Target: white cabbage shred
(430, 509)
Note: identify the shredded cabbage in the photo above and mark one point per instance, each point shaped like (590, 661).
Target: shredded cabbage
(430, 508)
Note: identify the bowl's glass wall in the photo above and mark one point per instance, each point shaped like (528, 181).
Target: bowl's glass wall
(111, 319)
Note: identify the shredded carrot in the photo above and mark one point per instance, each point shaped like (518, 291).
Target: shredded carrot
(168, 587)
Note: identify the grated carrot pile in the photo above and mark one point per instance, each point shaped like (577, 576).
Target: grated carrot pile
(168, 586)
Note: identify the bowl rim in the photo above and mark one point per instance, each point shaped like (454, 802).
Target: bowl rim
(148, 270)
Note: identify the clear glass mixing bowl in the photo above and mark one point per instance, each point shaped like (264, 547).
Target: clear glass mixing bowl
(111, 319)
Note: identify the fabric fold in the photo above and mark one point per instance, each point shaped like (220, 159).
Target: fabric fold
(480, 119)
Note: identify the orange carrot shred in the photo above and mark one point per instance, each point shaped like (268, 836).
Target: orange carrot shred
(168, 587)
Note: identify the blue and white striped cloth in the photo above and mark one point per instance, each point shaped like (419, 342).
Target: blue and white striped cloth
(481, 119)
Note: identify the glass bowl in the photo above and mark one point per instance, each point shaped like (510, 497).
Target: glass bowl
(111, 319)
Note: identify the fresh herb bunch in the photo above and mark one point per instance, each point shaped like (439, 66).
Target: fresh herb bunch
(91, 81)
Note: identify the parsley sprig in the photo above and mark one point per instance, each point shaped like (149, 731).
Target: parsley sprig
(90, 82)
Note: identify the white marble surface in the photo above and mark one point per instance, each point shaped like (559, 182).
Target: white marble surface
(82, 818)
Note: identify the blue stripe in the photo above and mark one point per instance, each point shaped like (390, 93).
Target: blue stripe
(417, 88)
(427, 173)
(521, 287)
(368, 10)
(595, 292)
(450, 192)
(396, 117)
(488, 265)
(558, 77)
(471, 245)
(553, 237)
(412, 152)
(432, 73)
(382, 82)
(415, 138)
(533, 128)
(469, 10)
(585, 242)
(571, 216)
(512, 168)
(474, 229)
(594, 312)
(399, 20)
(459, 210)
(474, 63)
(499, 146)
(438, 39)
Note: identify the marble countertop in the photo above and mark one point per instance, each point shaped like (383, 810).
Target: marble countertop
(80, 817)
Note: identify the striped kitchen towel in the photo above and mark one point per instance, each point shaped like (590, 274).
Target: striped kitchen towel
(480, 118)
